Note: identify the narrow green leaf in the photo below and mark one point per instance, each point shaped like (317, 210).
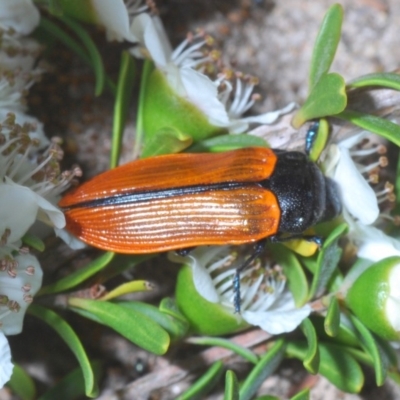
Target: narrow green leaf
(265, 367)
(73, 342)
(336, 364)
(133, 325)
(126, 78)
(326, 44)
(166, 141)
(347, 334)
(226, 344)
(71, 386)
(226, 143)
(22, 384)
(78, 276)
(327, 261)
(381, 126)
(175, 327)
(387, 79)
(203, 385)
(371, 345)
(91, 48)
(303, 395)
(327, 97)
(320, 140)
(127, 288)
(311, 358)
(148, 67)
(33, 241)
(54, 31)
(121, 263)
(231, 386)
(332, 319)
(297, 280)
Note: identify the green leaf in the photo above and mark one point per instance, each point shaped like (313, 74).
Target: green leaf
(336, 364)
(53, 30)
(381, 126)
(22, 384)
(126, 78)
(265, 367)
(226, 143)
(175, 327)
(327, 97)
(303, 395)
(127, 288)
(72, 386)
(320, 140)
(147, 69)
(34, 242)
(73, 342)
(91, 49)
(347, 334)
(297, 280)
(77, 277)
(326, 44)
(166, 141)
(202, 386)
(327, 261)
(387, 79)
(226, 344)
(231, 386)
(371, 345)
(311, 359)
(332, 319)
(131, 324)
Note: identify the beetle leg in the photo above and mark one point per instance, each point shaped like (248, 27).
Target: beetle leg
(258, 249)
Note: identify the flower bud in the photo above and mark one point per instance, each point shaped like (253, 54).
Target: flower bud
(375, 298)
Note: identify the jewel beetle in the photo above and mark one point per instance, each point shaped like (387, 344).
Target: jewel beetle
(180, 201)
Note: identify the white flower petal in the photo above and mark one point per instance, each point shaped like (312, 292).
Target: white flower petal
(18, 210)
(20, 15)
(373, 244)
(355, 190)
(21, 289)
(70, 240)
(6, 366)
(151, 34)
(50, 214)
(277, 321)
(113, 15)
(203, 93)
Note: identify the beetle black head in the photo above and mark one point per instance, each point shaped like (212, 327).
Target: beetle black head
(304, 194)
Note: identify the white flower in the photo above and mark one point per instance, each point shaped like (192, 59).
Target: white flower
(265, 302)
(20, 280)
(19, 15)
(30, 182)
(115, 17)
(358, 197)
(6, 366)
(372, 243)
(355, 165)
(182, 68)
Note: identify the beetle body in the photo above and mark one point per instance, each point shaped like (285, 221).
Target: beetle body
(179, 201)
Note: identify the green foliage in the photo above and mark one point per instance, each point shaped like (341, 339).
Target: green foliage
(22, 384)
(130, 323)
